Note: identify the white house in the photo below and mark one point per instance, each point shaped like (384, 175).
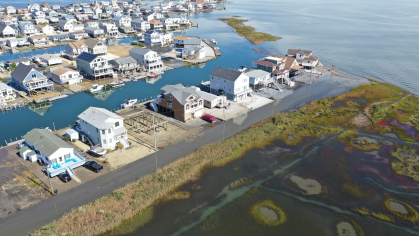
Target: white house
(122, 20)
(193, 42)
(96, 47)
(51, 59)
(33, 7)
(27, 28)
(45, 29)
(7, 30)
(103, 127)
(233, 84)
(41, 39)
(78, 35)
(147, 58)
(7, 93)
(140, 25)
(304, 58)
(259, 78)
(10, 10)
(193, 53)
(14, 42)
(64, 75)
(94, 24)
(93, 66)
(58, 155)
(73, 49)
(65, 25)
(110, 29)
(157, 37)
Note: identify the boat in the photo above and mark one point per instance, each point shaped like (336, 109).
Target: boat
(97, 150)
(152, 75)
(118, 84)
(129, 103)
(213, 41)
(96, 88)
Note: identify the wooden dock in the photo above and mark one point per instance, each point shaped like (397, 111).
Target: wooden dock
(217, 52)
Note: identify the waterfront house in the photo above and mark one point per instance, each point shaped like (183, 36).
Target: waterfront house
(147, 58)
(78, 35)
(94, 24)
(51, 13)
(33, 7)
(82, 17)
(52, 19)
(59, 38)
(140, 25)
(55, 7)
(45, 29)
(93, 66)
(94, 32)
(8, 30)
(96, 47)
(64, 75)
(304, 58)
(193, 53)
(97, 10)
(27, 28)
(123, 64)
(179, 41)
(170, 23)
(17, 42)
(122, 20)
(259, 78)
(110, 29)
(155, 24)
(233, 84)
(51, 59)
(25, 17)
(68, 18)
(57, 155)
(157, 37)
(126, 30)
(37, 14)
(36, 40)
(45, 5)
(65, 25)
(7, 93)
(103, 127)
(10, 10)
(30, 80)
(21, 11)
(279, 66)
(193, 42)
(41, 21)
(152, 15)
(23, 60)
(73, 49)
(180, 102)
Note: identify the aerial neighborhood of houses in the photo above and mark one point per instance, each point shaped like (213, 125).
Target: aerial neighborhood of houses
(90, 59)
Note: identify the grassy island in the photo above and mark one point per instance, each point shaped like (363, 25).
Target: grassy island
(248, 32)
(379, 102)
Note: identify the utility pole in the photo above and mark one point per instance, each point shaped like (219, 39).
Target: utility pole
(154, 128)
(311, 71)
(224, 116)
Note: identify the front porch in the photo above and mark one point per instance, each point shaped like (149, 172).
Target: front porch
(75, 161)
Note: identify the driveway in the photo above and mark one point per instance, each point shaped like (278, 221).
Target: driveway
(40, 214)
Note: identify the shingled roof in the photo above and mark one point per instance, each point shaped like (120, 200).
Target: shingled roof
(45, 141)
(226, 73)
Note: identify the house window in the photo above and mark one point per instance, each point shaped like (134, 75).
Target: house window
(109, 131)
(103, 131)
(116, 124)
(229, 89)
(224, 81)
(97, 130)
(104, 141)
(244, 80)
(187, 107)
(110, 140)
(169, 104)
(60, 159)
(171, 97)
(34, 76)
(98, 139)
(200, 102)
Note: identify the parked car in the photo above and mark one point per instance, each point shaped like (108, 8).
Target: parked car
(92, 165)
(209, 118)
(65, 177)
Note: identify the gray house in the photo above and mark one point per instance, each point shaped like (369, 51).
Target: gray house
(124, 63)
(59, 38)
(147, 58)
(232, 83)
(94, 32)
(103, 127)
(96, 47)
(93, 66)
(259, 78)
(30, 80)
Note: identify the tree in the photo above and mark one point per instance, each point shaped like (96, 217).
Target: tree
(4, 80)
(13, 67)
(19, 36)
(44, 67)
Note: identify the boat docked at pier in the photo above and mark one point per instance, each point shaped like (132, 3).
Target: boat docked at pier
(152, 74)
(129, 103)
(118, 84)
(96, 88)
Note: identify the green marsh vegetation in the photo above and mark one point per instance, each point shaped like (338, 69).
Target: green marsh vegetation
(248, 32)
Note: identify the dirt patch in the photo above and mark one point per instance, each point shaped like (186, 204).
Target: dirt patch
(361, 121)
(311, 186)
(120, 50)
(397, 207)
(345, 228)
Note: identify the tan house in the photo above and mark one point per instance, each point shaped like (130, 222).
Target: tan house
(66, 76)
(180, 103)
(73, 49)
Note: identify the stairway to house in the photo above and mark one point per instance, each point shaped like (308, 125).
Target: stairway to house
(278, 86)
(73, 176)
(124, 142)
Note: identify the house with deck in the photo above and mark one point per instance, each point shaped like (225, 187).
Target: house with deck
(156, 24)
(279, 67)
(73, 49)
(304, 58)
(259, 78)
(122, 21)
(57, 155)
(64, 75)
(140, 25)
(7, 93)
(191, 53)
(94, 32)
(8, 31)
(45, 29)
(149, 59)
(103, 127)
(124, 64)
(110, 29)
(94, 66)
(36, 40)
(30, 80)
(157, 37)
(27, 28)
(233, 84)
(78, 35)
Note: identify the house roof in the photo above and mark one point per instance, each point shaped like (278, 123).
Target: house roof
(45, 141)
(3, 26)
(23, 59)
(181, 93)
(98, 116)
(126, 27)
(22, 71)
(91, 43)
(180, 38)
(124, 60)
(85, 56)
(193, 41)
(257, 73)
(40, 26)
(78, 32)
(138, 20)
(155, 22)
(23, 149)
(294, 51)
(77, 44)
(170, 88)
(264, 62)
(226, 73)
(49, 56)
(62, 70)
(279, 71)
(59, 36)
(311, 58)
(289, 62)
(4, 86)
(140, 51)
(93, 28)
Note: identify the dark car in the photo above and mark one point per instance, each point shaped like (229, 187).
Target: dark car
(65, 177)
(93, 166)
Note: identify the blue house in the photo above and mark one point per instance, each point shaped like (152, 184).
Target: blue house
(30, 79)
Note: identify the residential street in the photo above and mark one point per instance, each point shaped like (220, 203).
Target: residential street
(23, 222)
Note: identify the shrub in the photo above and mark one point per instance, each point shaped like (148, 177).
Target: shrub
(119, 146)
(118, 194)
(138, 44)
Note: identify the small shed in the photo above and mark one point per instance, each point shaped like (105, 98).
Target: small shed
(31, 156)
(23, 151)
(72, 134)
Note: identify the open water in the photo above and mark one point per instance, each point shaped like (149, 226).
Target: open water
(372, 39)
